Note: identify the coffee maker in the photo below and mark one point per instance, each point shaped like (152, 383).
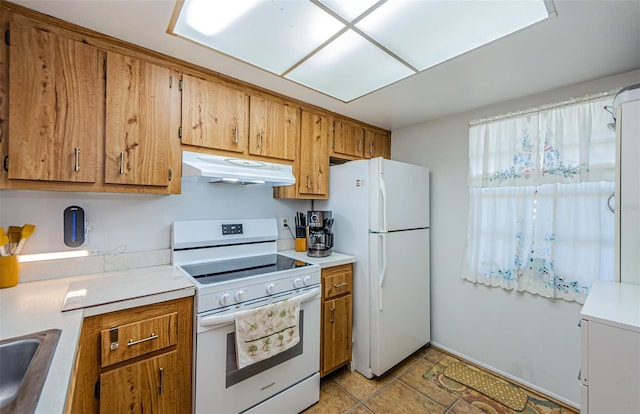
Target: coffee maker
(320, 234)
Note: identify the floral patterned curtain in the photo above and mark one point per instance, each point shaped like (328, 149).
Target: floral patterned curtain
(538, 218)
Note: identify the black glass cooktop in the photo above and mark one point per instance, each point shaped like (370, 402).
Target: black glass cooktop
(224, 270)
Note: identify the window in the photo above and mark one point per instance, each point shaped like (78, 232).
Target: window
(538, 189)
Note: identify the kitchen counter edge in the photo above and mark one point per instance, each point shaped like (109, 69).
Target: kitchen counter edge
(37, 306)
(335, 259)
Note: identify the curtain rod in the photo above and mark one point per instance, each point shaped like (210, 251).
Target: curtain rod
(571, 101)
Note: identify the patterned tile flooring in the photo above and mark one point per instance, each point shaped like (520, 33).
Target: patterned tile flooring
(416, 385)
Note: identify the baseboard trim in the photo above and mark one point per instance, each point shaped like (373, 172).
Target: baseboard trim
(519, 381)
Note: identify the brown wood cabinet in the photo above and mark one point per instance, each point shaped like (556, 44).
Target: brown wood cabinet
(274, 128)
(138, 127)
(214, 116)
(311, 167)
(136, 360)
(53, 106)
(337, 317)
(348, 140)
(377, 144)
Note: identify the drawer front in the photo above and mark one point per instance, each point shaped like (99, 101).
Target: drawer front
(138, 338)
(336, 281)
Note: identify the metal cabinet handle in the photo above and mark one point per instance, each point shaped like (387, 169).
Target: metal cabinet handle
(235, 133)
(161, 387)
(260, 139)
(333, 310)
(139, 341)
(77, 166)
(343, 284)
(359, 145)
(122, 163)
(371, 148)
(308, 181)
(609, 202)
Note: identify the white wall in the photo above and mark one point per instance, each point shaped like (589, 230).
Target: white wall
(531, 338)
(137, 222)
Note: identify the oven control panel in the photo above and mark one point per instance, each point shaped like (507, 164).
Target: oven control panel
(231, 229)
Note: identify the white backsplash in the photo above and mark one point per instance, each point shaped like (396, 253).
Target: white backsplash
(121, 224)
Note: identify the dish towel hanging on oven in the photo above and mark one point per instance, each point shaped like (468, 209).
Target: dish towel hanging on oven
(266, 331)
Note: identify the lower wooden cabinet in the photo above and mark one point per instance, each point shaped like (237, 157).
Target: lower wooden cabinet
(337, 319)
(148, 386)
(136, 360)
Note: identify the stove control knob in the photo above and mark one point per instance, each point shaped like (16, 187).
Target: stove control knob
(297, 282)
(271, 288)
(224, 299)
(239, 295)
(306, 280)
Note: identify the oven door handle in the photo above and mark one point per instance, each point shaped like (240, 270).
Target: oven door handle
(227, 318)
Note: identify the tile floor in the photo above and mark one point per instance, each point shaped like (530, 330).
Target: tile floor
(404, 390)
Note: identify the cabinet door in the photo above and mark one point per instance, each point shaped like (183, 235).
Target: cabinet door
(377, 144)
(348, 138)
(313, 177)
(148, 386)
(53, 106)
(336, 338)
(213, 115)
(274, 129)
(138, 122)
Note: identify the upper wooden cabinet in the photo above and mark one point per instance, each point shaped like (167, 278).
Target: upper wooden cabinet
(138, 121)
(274, 129)
(311, 167)
(53, 106)
(214, 116)
(348, 139)
(377, 144)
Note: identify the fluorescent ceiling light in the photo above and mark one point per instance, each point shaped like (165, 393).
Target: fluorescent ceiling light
(349, 48)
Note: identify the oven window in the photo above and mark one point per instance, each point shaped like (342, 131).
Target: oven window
(235, 375)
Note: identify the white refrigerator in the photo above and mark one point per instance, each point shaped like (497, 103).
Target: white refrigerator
(381, 216)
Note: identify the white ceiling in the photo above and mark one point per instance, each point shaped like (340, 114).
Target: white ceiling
(587, 40)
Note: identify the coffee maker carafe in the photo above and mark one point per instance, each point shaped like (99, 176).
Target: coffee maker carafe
(320, 234)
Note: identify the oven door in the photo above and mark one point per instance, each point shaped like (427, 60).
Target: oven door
(220, 387)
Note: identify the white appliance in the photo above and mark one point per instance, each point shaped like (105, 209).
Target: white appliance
(220, 169)
(381, 213)
(235, 266)
(627, 209)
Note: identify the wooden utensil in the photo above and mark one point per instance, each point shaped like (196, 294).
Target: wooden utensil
(14, 233)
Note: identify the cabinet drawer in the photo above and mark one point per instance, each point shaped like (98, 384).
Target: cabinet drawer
(138, 338)
(336, 281)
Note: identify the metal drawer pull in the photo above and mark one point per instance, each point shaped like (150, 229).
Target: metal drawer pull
(122, 163)
(77, 166)
(161, 387)
(132, 342)
(343, 284)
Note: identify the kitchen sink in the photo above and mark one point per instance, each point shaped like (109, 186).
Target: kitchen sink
(24, 362)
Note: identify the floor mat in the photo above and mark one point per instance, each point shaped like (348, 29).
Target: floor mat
(501, 391)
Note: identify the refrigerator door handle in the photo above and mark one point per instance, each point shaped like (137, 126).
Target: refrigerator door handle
(383, 268)
(383, 203)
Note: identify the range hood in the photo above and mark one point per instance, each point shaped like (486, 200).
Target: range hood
(222, 169)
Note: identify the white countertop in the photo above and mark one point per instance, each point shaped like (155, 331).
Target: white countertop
(37, 306)
(613, 303)
(335, 259)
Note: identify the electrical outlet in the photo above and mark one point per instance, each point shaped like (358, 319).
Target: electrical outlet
(284, 222)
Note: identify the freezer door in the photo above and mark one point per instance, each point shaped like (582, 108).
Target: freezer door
(399, 196)
(399, 296)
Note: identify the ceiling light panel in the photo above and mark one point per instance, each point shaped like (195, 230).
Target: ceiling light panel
(425, 33)
(349, 67)
(349, 9)
(273, 35)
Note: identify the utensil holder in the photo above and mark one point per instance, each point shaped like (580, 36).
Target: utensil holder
(8, 271)
(301, 244)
